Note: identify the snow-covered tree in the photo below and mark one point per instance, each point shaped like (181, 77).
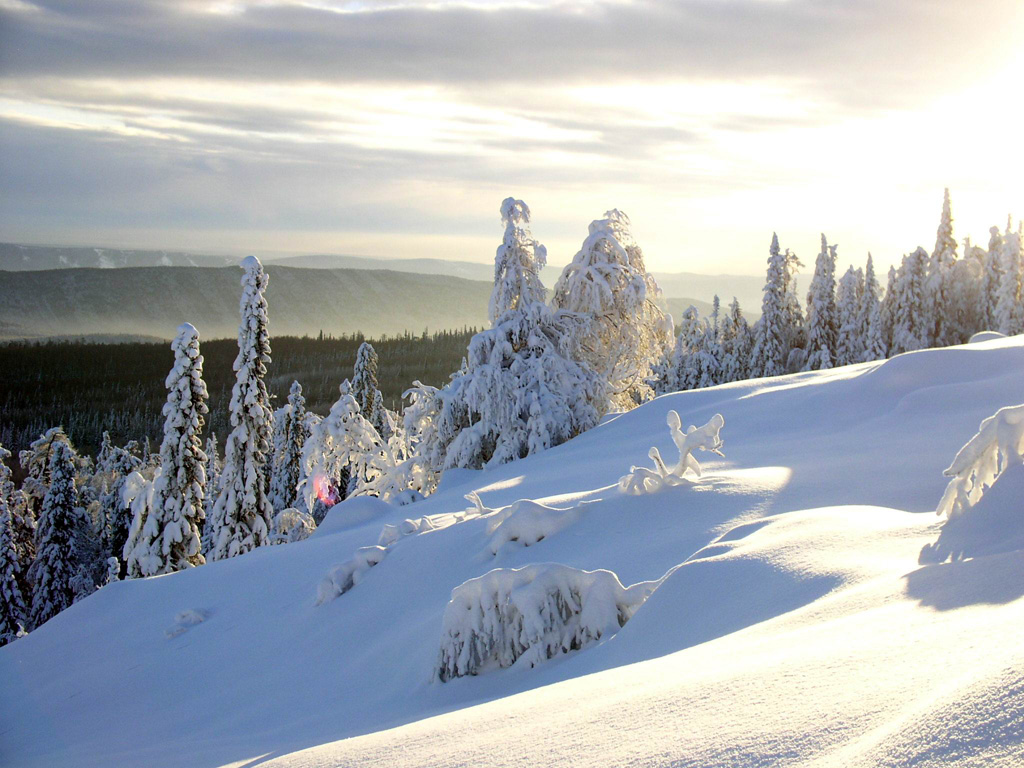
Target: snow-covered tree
(937, 331)
(517, 264)
(736, 344)
(60, 571)
(114, 518)
(166, 537)
(773, 331)
(709, 351)
(688, 341)
(242, 513)
(1009, 315)
(963, 295)
(23, 524)
(287, 469)
(822, 322)
(627, 332)
(909, 318)
(849, 300)
(13, 610)
(365, 390)
(36, 462)
(992, 274)
(871, 323)
(525, 384)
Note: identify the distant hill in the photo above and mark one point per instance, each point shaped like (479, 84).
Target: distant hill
(13, 257)
(21, 258)
(153, 301)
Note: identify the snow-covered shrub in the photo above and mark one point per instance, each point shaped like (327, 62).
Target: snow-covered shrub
(642, 480)
(341, 578)
(531, 614)
(292, 525)
(527, 522)
(998, 444)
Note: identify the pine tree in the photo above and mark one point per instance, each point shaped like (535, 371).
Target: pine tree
(871, 323)
(626, 332)
(242, 513)
(709, 351)
(888, 310)
(23, 525)
(773, 330)
(940, 264)
(736, 344)
(849, 300)
(287, 471)
(115, 516)
(910, 320)
(166, 537)
(13, 612)
(36, 462)
(59, 571)
(212, 469)
(691, 331)
(822, 321)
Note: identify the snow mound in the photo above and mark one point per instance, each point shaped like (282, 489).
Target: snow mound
(981, 336)
(185, 620)
(350, 513)
(527, 522)
(642, 480)
(526, 615)
(341, 578)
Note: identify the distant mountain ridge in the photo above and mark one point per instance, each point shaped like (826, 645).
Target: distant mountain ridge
(674, 285)
(154, 301)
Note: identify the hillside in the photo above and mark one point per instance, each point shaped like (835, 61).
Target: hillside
(26, 258)
(781, 616)
(153, 301)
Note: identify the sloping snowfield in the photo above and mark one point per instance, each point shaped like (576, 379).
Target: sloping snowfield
(794, 627)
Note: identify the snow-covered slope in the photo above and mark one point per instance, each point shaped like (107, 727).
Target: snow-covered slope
(793, 625)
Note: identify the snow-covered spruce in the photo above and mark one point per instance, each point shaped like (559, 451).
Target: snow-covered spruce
(531, 614)
(60, 571)
(165, 537)
(849, 306)
(775, 330)
(287, 465)
(523, 387)
(642, 480)
(998, 444)
(366, 391)
(822, 320)
(13, 610)
(627, 332)
(242, 513)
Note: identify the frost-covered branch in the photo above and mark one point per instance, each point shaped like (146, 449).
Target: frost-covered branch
(998, 444)
(642, 480)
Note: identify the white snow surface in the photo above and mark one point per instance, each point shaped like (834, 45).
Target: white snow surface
(792, 625)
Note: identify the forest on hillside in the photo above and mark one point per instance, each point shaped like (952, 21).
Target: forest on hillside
(91, 387)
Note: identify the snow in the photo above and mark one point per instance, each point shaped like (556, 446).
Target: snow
(791, 624)
(981, 336)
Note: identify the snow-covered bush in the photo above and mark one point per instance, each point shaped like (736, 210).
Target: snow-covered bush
(341, 578)
(642, 480)
(291, 525)
(998, 444)
(527, 522)
(531, 614)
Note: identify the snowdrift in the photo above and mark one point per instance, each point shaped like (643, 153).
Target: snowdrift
(791, 622)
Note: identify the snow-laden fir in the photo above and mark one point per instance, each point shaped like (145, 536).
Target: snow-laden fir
(791, 623)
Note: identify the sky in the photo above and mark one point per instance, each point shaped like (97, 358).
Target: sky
(394, 128)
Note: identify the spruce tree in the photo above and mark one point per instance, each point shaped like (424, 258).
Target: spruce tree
(688, 340)
(992, 277)
(937, 327)
(822, 321)
(13, 611)
(1009, 312)
(61, 554)
(366, 391)
(772, 330)
(849, 298)
(242, 513)
(872, 328)
(287, 471)
(910, 320)
(166, 537)
(736, 344)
